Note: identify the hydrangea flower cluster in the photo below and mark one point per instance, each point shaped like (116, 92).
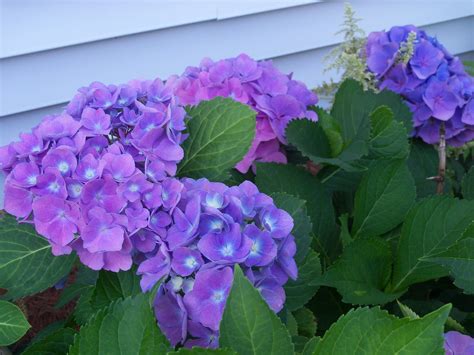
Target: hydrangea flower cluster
(98, 179)
(93, 176)
(432, 81)
(212, 228)
(457, 343)
(276, 98)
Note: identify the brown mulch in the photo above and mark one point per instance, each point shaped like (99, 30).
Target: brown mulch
(40, 311)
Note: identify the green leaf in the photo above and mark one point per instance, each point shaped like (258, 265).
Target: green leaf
(383, 198)
(248, 325)
(332, 129)
(345, 235)
(373, 331)
(220, 134)
(350, 111)
(86, 278)
(196, 350)
(459, 260)
(351, 100)
(56, 343)
(311, 140)
(126, 327)
(112, 286)
(84, 309)
(388, 138)
(362, 272)
(26, 263)
(48, 330)
(432, 226)
(302, 224)
(290, 322)
(299, 343)
(469, 67)
(423, 163)
(13, 324)
(310, 346)
(453, 324)
(407, 311)
(328, 306)
(289, 179)
(300, 291)
(467, 185)
(306, 322)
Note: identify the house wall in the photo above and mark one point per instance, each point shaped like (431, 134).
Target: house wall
(48, 49)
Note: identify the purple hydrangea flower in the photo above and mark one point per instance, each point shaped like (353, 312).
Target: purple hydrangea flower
(206, 301)
(273, 95)
(57, 220)
(103, 232)
(154, 268)
(226, 248)
(456, 343)
(426, 60)
(433, 83)
(98, 179)
(106, 165)
(171, 315)
(263, 250)
(201, 336)
(186, 261)
(209, 229)
(96, 121)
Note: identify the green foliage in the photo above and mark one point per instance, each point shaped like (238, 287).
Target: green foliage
(361, 124)
(302, 224)
(423, 163)
(196, 350)
(56, 343)
(108, 287)
(306, 322)
(373, 331)
(383, 198)
(128, 326)
(347, 56)
(85, 280)
(388, 138)
(432, 226)
(300, 291)
(310, 346)
(468, 185)
(350, 111)
(312, 141)
(248, 326)
(112, 286)
(469, 67)
(332, 130)
(459, 260)
(362, 272)
(289, 179)
(345, 236)
(26, 263)
(407, 311)
(13, 324)
(220, 133)
(84, 309)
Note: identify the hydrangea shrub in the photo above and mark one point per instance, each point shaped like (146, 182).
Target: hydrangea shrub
(173, 264)
(99, 179)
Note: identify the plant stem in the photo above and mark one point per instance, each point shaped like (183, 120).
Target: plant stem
(442, 160)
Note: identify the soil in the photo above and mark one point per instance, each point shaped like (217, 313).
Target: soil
(40, 311)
